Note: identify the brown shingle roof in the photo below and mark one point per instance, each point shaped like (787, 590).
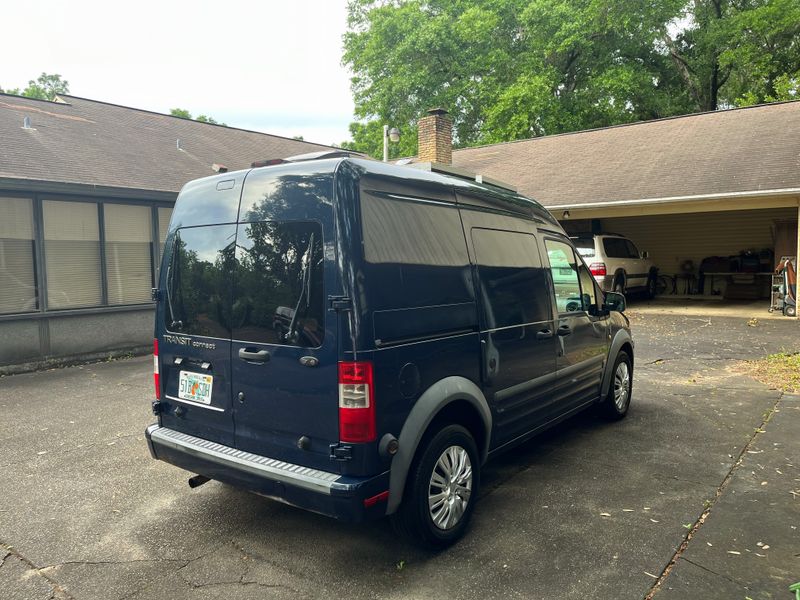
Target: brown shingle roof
(90, 142)
(730, 151)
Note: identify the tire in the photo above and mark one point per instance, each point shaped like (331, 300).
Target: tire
(618, 400)
(619, 284)
(441, 525)
(789, 310)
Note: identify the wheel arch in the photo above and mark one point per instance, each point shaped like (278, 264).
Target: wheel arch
(622, 342)
(451, 400)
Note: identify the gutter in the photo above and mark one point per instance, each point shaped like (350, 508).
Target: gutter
(782, 192)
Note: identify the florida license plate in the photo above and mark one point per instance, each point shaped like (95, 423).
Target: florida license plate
(195, 387)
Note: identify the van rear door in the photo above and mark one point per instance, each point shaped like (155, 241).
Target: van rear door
(195, 346)
(284, 348)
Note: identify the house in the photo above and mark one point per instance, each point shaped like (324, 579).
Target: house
(86, 193)
(684, 189)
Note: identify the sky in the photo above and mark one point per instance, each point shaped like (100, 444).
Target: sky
(268, 65)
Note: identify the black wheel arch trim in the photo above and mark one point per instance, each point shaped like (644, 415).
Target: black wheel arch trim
(621, 338)
(430, 403)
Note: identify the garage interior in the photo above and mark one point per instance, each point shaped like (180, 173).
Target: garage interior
(705, 253)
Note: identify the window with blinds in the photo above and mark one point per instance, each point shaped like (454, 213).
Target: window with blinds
(72, 254)
(18, 291)
(128, 235)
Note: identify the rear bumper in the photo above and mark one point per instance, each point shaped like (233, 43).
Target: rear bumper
(606, 282)
(331, 494)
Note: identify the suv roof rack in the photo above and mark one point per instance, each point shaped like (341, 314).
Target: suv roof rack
(462, 174)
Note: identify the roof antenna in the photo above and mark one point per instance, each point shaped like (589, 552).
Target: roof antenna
(26, 123)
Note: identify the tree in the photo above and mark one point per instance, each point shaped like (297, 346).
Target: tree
(182, 113)
(45, 87)
(511, 69)
(367, 137)
(738, 52)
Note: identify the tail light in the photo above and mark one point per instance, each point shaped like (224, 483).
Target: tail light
(598, 269)
(356, 402)
(156, 378)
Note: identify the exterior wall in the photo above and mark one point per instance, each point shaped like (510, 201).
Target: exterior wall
(41, 267)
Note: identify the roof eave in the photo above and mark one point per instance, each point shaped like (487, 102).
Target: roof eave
(775, 193)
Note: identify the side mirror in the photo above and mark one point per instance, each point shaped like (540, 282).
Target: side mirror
(645, 254)
(614, 301)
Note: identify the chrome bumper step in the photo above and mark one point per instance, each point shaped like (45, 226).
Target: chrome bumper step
(269, 468)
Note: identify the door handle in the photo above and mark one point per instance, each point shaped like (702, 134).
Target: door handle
(251, 356)
(544, 334)
(564, 330)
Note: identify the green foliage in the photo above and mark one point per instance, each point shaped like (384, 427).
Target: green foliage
(44, 87)
(367, 137)
(182, 113)
(511, 69)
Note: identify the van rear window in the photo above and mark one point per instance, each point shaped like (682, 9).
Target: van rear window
(278, 287)
(199, 281)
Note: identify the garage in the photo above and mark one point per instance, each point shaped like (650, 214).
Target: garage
(713, 198)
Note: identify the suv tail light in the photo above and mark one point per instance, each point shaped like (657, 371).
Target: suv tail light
(598, 269)
(156, 378)
(356, 402)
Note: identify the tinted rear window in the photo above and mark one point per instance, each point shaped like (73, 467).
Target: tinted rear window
(584, 246)
(278, 289)
(199, 281)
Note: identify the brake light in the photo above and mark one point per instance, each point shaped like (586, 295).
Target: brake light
(598, 269)
(356, 402)
(156, 377)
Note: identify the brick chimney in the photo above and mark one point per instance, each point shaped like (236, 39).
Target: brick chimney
(435, 137)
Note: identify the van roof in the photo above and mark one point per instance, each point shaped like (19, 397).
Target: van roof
(331, 162)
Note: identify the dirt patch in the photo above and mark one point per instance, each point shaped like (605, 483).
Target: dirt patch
(779, 371)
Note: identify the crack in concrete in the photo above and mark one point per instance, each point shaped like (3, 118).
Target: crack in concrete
(707, 570)
(704, 515)
(91, 563)
(56, 590)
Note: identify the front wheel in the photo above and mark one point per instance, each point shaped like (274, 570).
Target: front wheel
(441, 490)
(652, 285)
(616, 403)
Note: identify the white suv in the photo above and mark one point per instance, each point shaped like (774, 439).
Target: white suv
(616, 263)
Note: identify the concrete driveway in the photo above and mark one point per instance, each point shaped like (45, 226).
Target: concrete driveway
(692, 496)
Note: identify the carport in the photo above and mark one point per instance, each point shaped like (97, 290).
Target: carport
(714, 198)
(704, 248)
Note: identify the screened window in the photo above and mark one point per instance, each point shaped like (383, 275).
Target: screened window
(199, 281)
(565, 276)
(18, 291)
(128, 235)
(512, 281)
(164, 215)
(279, 284)
(72, 251)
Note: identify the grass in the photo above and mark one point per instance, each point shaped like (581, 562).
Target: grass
(780, 371)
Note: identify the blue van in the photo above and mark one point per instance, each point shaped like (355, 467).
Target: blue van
(357, 338)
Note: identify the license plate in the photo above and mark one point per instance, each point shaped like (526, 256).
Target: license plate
(195, 387)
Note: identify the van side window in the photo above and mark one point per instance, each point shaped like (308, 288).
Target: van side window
(564, 270)
(278, 287)
(415, 253)
(512, 282)
(198, 281)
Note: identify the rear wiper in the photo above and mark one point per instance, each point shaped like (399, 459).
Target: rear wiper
(305, 292)
(173, 322)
